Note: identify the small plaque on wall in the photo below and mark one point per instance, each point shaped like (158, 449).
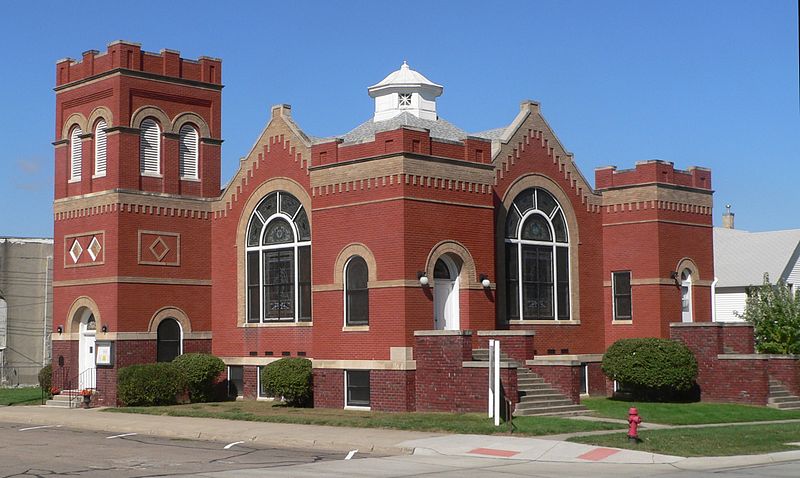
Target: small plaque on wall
(105, 353)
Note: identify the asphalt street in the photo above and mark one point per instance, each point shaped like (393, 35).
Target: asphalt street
(28, 450)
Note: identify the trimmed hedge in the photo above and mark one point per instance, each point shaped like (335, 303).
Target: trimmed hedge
(149, 384)
(290, 378)
(652, 367)
(46, 378)
(199, 372)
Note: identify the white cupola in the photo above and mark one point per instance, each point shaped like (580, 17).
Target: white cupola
(405, 91)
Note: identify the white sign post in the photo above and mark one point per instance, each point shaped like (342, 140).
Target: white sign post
(494, 381)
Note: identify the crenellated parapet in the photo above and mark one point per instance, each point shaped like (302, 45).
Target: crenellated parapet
(652, 172)
(129, 56)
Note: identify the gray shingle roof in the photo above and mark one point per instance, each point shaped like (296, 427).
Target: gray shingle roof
(491, 134)
(440, 128)
(741, 258)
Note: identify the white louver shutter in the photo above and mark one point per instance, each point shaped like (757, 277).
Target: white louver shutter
(150, 147)
(188, 152)
(76, 149)
(100, 148)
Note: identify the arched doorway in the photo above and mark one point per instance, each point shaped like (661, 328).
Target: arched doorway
(169, 337)
(686, 295)
(86, 351)
(445, 294)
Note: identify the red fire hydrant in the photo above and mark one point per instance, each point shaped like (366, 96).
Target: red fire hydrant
(633, 421)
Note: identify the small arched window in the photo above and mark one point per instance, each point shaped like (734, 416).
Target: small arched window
(150, 147)
(169, 340)
(356, 291)
(75, 154)
(188, 152)
(100, 148)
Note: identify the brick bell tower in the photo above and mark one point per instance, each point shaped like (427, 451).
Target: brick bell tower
(137, 165)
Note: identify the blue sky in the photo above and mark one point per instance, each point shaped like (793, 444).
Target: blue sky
(708, 83)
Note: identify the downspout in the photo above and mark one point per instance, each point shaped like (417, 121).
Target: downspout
(714, 299)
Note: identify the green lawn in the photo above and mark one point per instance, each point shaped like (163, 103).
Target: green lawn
(687, 413)
(21, 396)
(473, 423)
(706, 441)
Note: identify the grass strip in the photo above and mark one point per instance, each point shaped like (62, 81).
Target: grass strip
(706, 441)
(21, 396)
(467, 423)
(697, 413)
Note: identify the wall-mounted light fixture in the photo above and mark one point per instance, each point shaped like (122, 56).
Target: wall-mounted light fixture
(423, 278)
(104, 328)
(485, 282)
(60, 329)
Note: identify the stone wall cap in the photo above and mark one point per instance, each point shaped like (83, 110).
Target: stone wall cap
(573, 357)
(710, 324)
(783, 356)
(483, 333)
(561, 361)
(434, 333)
(742, 357)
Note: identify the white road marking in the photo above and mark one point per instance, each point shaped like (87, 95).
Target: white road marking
(350, 455)
(41, 426)
(120, 436)
(229, 445)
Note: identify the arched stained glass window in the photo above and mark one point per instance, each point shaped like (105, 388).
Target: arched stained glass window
(537, 258)
(279, 261)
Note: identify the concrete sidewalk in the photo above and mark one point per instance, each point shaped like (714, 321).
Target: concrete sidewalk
(377, 441)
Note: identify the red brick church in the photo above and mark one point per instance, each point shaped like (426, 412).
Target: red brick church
(388, 255)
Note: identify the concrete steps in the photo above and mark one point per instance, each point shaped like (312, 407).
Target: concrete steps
(781, 398)
(62, 400)
(536, 397)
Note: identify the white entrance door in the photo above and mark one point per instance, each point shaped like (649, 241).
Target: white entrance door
(686, 296)
(445, 294)
(86, 374)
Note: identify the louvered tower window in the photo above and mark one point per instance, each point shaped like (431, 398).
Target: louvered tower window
(75, 151)
(150, 147)
(188, 152)
(100, 148)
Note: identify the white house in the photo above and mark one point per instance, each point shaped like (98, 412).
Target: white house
(741, 259)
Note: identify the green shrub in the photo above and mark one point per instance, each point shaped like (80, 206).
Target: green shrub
(650, 367)
(149, 384)
(46, 378)
(775, 314)
(289, 378)
(199, 371)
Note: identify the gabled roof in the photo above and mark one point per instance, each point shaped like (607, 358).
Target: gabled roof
(742, 258)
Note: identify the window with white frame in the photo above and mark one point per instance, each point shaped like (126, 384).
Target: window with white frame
(262, 385)
(356, 388)
(621, 290)
(149, 147)
(169, 340)
(235, 380)
(279, 261)
(75, 154)
(100, 148)
(356, 293)
(188, 139)
(537, 258)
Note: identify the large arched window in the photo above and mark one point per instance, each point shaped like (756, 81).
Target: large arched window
(537, 258)
(279, 261)
(187, 157)
(356, 292)
(169, 340)
(100, 148)
(149, 147)
(75, 154)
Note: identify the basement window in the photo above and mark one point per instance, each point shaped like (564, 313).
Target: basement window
(356, 388)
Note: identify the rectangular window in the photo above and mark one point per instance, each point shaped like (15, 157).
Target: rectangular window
(262, 386)
(584, 390)
(562, 264)
(621, 290)
(537, 282)
(279, 284)
(235, 380)
(357, 388)
(253, 298)
(304, 283)
(512, 298)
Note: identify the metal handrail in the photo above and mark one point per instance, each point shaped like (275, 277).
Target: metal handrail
(67, 382)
